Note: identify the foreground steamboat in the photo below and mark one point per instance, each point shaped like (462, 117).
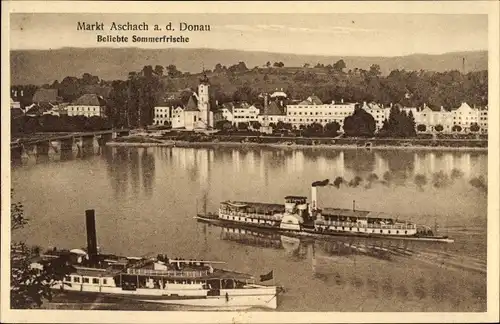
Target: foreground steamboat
(157, 280)
(300, 218)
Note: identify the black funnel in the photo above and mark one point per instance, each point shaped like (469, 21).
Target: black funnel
(91, 234)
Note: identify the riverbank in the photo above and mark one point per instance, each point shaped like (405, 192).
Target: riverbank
(153, 142)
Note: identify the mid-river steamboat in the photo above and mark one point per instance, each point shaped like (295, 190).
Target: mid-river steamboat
(299, 218)
(158, 279)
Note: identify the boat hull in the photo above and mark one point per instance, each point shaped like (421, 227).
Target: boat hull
(310, 232)
(252, 297)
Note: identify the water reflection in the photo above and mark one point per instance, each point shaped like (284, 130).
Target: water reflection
(149, 196)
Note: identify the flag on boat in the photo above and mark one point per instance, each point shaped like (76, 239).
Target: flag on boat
(267, 276)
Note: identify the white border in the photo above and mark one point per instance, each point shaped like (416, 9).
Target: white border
(463, 7)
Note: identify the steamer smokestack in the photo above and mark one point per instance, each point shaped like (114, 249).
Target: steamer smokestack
(91, 234)
(314, 192)
(314, 198)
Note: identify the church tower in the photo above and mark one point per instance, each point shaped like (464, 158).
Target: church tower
(204, 103)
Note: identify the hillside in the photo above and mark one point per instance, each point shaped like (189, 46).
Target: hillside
(45, 66)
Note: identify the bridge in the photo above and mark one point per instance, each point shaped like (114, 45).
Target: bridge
(40, 143)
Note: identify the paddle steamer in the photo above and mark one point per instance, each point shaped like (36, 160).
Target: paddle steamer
(298, 216)
(157, 279)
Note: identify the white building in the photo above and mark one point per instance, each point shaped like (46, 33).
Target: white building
(483, 120)
(244, 113)
(161, 114)
(379, 113)
(227, 112)
(87, 105)
(196, 114)
(465, 116)
(312, 110)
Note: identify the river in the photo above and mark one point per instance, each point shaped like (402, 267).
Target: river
(145, 200)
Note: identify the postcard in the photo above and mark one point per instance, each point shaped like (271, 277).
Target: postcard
(240, 162)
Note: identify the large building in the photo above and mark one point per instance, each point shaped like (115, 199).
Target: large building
(313, 110)
(245, 113)
(87, 105)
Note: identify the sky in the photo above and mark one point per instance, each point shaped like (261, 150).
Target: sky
(371, 34)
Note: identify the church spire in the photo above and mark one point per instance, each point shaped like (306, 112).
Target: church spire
(204, 78)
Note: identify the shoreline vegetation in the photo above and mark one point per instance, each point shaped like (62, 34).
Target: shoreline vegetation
(196, 140)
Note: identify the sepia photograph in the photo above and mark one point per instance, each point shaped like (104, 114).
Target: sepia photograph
(255, 163)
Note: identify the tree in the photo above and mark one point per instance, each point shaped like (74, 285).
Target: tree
(173, 72)
(159, 70)
(223, 125)
(339, 66)
(374, 70)
(243, 126)
(474, 127)
(360, 123)
(307, 65)
(218, 68)
(255, 124)
(421, 128)
(438, 128)
(30, 286)
(268, 64)
(399, 124)
(456, 128)
(238, 68)
(332, 129)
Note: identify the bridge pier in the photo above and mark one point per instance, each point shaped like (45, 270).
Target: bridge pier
(87, 145)
(104, 139)
(42, 148)
(67, 144)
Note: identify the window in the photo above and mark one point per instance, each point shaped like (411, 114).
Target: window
(86, 280)
(95, 281)
(76, 279)
(381, 231)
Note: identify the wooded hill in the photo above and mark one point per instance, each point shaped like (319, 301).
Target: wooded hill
(44, 66)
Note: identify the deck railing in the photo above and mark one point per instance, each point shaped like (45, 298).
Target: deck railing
(378, 226)
(169, 273)
(250, 215)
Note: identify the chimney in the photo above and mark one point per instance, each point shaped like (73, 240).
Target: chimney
(265, 102)
(15, 93)
(91, 234)
(342, 100)
(314, 198)
(22, 93)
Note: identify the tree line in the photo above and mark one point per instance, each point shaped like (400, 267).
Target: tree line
(131, 102)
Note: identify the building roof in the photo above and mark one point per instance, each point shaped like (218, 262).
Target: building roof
(37, 109)
(229, 106)
(89, 100)
(278, 94)
(274, 110)
(315, 100)
(242, 105)
(191, 105)
(45, 95)
(464, 105)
